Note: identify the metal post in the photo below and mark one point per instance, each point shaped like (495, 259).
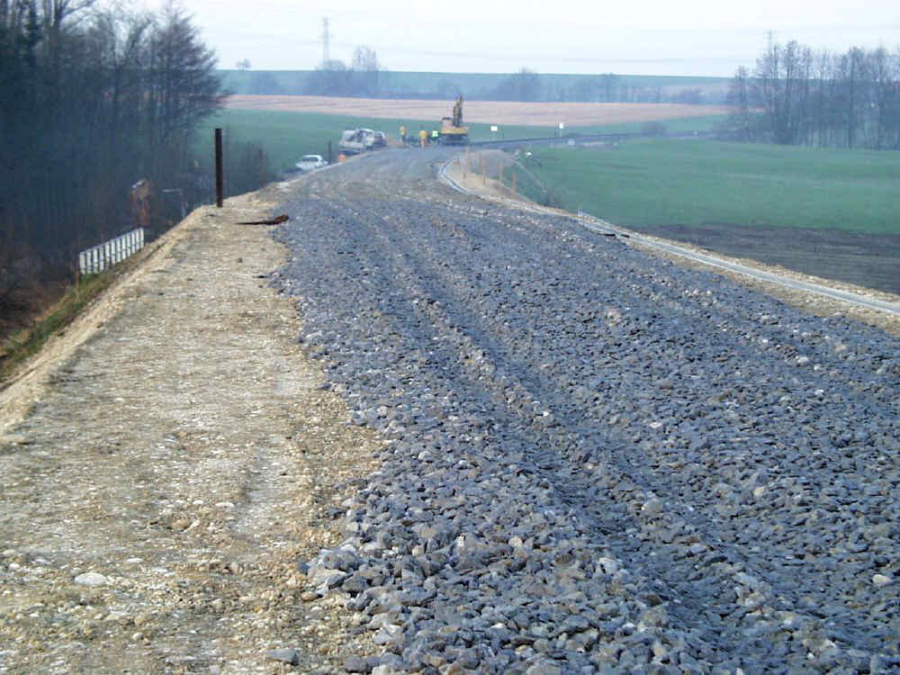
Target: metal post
(260, 161)
(330, 159)
(220, 178)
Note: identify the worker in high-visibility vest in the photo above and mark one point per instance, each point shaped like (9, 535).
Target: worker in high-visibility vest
(423, 137)
(403, 134)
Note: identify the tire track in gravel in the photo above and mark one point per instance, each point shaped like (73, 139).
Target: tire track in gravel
(550, 393)
(694, 605)
(825, 350)
(692, 505)
(431, 325)
(705, 605)
(728, 316)
(563, 470)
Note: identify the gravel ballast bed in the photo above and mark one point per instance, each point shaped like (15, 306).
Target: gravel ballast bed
(599, 460)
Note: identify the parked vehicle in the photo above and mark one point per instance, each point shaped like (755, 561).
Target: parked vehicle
(380, 139)
(354, 141)
(311, 163)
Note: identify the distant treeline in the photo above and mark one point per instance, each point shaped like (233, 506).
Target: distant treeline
(92, 101)
(365, 77)
(798, 96)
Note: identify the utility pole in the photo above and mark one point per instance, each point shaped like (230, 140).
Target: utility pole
(220, 177)
(326, 42)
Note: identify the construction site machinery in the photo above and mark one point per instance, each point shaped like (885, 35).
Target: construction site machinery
(452, 130)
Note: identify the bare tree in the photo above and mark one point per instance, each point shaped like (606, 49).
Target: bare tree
(366, 71)
(334, 78)
(331, 78)
(739, 98)
(852, 66)
(883, 81)
(524, 85)
(849, 100)
(610, 86)
(184, 82)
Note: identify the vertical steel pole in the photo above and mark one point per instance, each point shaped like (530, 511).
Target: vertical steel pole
(330, 159)
(260, 161)
(220, 178)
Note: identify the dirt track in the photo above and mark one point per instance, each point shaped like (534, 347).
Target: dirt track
(486, 112)
(183, 458)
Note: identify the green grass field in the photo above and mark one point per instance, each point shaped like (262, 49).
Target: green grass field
(695, 183)
(286, 136)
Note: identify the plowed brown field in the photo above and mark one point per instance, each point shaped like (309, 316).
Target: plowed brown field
(487, 112)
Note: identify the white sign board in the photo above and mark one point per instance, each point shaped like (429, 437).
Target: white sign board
(562, 125)
(494, 127)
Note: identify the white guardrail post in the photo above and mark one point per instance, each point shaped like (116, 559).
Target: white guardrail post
(98, 258)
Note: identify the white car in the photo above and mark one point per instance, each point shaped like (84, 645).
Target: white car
(311, 163)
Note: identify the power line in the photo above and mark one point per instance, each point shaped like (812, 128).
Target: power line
(547, 57)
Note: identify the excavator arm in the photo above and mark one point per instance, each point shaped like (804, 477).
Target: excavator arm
(458, 112)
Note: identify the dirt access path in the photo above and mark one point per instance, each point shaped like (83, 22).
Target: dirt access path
(171, 470)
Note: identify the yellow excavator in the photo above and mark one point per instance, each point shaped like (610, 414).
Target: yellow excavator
(452, 130)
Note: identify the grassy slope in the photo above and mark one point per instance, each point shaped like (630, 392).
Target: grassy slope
(286, 136)
(27, 342)
(696, 182)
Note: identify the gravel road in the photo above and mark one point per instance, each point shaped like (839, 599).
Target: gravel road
(598, 461)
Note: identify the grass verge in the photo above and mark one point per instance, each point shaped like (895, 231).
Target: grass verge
(27, 342)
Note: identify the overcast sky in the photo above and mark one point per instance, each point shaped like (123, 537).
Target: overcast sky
(691, 37)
